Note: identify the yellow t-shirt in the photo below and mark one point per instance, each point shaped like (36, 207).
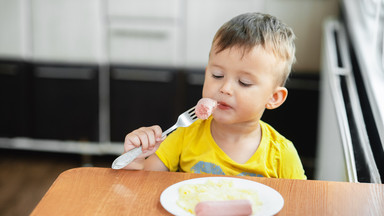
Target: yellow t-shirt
(194, 150)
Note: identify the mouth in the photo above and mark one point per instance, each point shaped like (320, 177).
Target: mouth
(223, 106)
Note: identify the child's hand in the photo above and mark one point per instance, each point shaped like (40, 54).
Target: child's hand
(149, 138)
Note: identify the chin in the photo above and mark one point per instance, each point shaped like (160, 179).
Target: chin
(224, 119)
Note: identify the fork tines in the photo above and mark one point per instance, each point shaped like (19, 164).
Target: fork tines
(192, 113)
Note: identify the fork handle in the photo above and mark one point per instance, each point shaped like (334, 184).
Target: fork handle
(169, 130)
(126, 158)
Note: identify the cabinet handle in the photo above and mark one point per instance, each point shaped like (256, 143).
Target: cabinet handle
(196, 78)
(142, 75)
(64, 73)
(158, 35)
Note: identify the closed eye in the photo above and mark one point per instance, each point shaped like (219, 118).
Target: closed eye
(244, 84)
(217, 76)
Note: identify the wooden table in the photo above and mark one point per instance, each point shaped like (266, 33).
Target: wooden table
(104, 191)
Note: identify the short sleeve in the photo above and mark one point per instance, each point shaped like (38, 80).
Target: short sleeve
(291, 167)
(170, 150)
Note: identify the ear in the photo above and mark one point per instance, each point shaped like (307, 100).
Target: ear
(277, 98)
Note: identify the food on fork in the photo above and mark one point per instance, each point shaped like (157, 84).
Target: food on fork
(205, 107)
(224, 208)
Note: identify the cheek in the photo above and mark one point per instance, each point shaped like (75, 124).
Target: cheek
(252, 108)
(252, 100)
(204, 94)
(208, 88)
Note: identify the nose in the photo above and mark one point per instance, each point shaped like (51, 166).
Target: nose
(226, 88)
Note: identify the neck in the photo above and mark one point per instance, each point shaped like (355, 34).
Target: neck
(235, 132)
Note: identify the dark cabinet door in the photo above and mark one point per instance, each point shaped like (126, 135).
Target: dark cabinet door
(142, 97)
(66, 102)
(15, 100)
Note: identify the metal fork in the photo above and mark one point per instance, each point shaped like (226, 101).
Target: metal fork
(184, 120)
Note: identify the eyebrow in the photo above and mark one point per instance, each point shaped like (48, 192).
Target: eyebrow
(215, 65)
(248, 73)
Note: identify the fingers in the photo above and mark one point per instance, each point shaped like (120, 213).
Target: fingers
(146, 137)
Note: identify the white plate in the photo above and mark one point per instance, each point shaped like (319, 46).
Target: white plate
(272, 200)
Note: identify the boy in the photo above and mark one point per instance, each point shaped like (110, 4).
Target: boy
(249, 62)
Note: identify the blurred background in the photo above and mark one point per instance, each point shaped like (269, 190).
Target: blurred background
(77, 76)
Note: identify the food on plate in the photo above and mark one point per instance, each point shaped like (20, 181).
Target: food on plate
(224, 208)
(192, 194)
(205, 107)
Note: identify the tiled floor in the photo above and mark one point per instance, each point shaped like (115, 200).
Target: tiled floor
(25, 176)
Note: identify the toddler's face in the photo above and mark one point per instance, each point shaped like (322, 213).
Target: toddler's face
(242, 83)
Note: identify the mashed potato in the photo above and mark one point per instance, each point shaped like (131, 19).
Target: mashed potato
(191, 194)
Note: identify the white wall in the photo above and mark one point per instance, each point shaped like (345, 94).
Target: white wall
(306, 17)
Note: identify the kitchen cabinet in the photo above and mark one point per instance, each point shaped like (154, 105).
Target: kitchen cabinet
(139, 34)
(66, 30)
(66, 49)
(150, 44)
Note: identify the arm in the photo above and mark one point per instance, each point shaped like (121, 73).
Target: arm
(149, 138)
(152, 163)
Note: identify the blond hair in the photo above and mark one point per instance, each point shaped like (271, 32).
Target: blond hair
(256, 29)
